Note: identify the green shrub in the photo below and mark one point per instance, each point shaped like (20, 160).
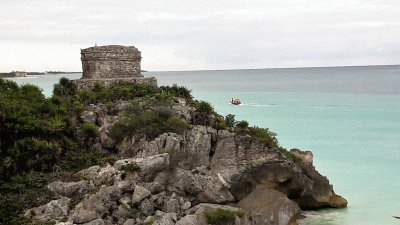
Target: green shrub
(264, 135)
(89, 130)
(74, 160)
(21, 182)
(204, 107)
(176, 125)
(220, 123)
(150, 222)
(230, 120)
(130, 167)
(177, 91)
(291, 156)
(140, 121)
(223, 216)
(22, 191)
(242, 125)
(65, 87)
(35, 154)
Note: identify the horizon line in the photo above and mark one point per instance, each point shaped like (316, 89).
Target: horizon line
(272, 68)
(265, 68)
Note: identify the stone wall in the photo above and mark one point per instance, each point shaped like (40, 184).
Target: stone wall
(111, 61)
(89, 83)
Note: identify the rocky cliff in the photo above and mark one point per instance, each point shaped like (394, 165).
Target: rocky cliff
(201, 176)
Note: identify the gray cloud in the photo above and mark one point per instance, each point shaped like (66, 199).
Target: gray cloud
(180, 35)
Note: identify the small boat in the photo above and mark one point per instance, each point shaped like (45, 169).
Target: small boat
(235, 101)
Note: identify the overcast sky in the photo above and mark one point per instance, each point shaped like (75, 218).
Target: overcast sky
(38, 35)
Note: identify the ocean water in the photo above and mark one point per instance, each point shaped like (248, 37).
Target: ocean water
(349, 117)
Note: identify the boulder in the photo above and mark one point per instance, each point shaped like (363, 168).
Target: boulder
(130, 222)
(146, 207)
(273, 206)
(100, 175)
(161, 218)
(196, 148)
(139, 194)
(147, 167)
(53, 210)
(97, 205)
(122, 212)
(196, 215)
(88, 117)
(71, 189)
(172, 206)
(206, 188)
(98, 222)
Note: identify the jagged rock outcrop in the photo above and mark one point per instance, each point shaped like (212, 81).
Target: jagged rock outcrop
(71, 189)
(176, 178)
(54, 210)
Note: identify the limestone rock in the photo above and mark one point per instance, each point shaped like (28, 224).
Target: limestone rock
(172, 206)
(96, 205)
(126, 199)
(122, 211)
(273, 206)
(196, 215)
(98, 222)
(55, 209)
(105, 140)
(206, 188)
(71, 189)
(130, 222)
(197, 148)
(193, 220)
(88, 116)
(125, 185)
(139, 194)
(186, 205)
(149, 166)
(162, 218)
(100, 175)
(146, 207)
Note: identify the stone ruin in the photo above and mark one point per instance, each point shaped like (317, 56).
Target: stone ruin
(111, 63)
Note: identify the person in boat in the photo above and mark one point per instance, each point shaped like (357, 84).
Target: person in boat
(235, 101)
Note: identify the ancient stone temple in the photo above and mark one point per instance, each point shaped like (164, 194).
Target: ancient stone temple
(107, 64)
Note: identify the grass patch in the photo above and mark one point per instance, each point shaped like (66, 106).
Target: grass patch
(291, 156)
(130, 167)
(224, 216)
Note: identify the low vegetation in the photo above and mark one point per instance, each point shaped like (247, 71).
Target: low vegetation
(40, 135)
(224, 216)
(139, 120)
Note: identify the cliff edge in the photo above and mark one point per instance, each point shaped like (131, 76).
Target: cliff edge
(178, 162)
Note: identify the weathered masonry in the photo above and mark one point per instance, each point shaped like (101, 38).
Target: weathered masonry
(107, 64)
(111, 61)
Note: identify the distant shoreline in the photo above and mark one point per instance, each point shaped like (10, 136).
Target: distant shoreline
(280, 68)
(12, 74)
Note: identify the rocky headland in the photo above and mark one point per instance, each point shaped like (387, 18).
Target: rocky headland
(187, 178)
(113, 148)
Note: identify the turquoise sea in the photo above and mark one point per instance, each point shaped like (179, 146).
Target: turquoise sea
(349, 117)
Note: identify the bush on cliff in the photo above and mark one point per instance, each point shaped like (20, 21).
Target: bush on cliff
(142, 121)
(264, 135)
(45, 134)
(204, 113)
(127, 91)
(224, 216)
(33, 130)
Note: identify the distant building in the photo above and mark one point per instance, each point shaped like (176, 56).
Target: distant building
(107, 64)
(20, 73)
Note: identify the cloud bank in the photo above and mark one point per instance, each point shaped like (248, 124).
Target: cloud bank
(190, 35)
